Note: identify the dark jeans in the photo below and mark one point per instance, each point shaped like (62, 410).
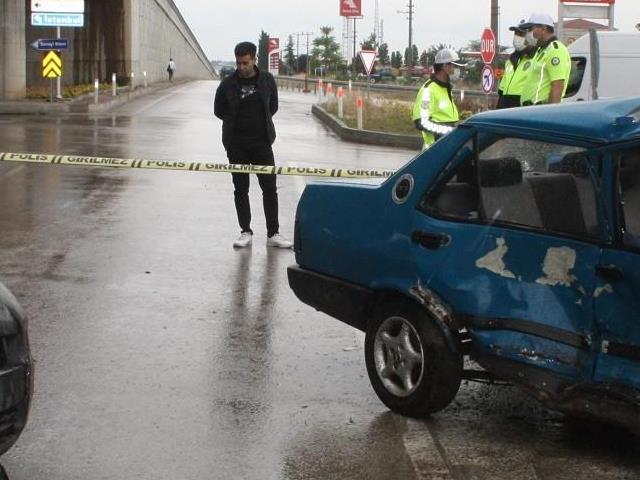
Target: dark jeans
(257, 154)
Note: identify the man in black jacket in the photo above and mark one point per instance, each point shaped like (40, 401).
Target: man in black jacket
(246, 102)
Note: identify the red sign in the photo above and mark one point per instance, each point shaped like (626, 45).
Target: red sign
(351, 8)
(610, 2)
(488, 46)
(274, 44)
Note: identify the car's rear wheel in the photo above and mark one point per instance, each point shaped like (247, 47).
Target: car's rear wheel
(410, 364)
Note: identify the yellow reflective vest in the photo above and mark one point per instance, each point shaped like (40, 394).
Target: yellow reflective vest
(436, 110)
(552, 62)
(515, 77)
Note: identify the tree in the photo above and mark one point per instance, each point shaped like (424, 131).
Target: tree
(411, 56)
(289, 55)
(396, 59)
(326, 52)
(302, 62)
(474, 69)
(383, 54)
(263, 51)
(424, 59)
(370, 43)
(433, 49)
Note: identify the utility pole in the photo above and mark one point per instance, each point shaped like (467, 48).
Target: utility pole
(495, 24)
(376, 22)
(298, 51)
(353, 61)
(306, 70)
(410, 12)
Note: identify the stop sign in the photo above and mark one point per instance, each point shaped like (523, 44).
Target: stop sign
(488, 45)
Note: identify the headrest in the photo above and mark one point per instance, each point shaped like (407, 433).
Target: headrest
(500, 172)
(574, 163)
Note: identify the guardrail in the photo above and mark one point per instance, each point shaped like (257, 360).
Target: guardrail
(402, 92)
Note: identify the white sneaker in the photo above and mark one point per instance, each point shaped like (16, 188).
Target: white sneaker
(244, 240)
(279, 241)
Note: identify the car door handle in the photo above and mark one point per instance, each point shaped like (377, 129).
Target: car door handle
(429, 240)
(610, 273)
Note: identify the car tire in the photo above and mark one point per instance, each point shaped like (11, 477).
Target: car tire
(410, 364)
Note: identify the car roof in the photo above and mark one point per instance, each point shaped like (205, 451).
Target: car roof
(601, 121)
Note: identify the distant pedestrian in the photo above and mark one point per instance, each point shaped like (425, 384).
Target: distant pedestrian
(434, 112)
(171, 68)
(551, 67)
(246, 101)
(516, 69)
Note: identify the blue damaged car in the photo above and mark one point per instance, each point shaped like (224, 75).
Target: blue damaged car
(514, 240)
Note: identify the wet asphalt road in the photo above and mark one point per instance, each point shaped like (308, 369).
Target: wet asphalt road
(161, 353)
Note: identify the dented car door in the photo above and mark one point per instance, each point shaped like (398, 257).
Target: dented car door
(617, 304)
(510, 237)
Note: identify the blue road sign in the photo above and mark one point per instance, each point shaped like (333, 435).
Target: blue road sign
(57, 19)
(51, 44)
(488, 79)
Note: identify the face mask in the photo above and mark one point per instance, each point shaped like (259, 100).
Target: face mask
(530, 39)
(519, 43)
(455, 75)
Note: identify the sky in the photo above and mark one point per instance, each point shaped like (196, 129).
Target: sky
(220, 24)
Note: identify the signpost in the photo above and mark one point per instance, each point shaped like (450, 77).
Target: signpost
(57, 13)
(587, 9)
(368, 57)
(274, 56)
(488, 79)
(352, 10)
(488, 46)
(57, 6)
(51, 67)
(57, 19)
(488, 54)
(51, 44)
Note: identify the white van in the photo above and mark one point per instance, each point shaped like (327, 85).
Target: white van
(604, 64)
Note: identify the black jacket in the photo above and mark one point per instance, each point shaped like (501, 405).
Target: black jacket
(227, 103)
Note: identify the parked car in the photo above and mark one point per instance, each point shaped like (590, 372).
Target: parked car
(226, 70)
(382, 75)
(514, 240)
(16, 380)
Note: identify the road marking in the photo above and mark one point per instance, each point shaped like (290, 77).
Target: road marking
(427, 455)
(444, 452)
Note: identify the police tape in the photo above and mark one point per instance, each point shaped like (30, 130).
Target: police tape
(192, 166)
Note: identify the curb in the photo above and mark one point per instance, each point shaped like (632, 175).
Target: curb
(83, 104)
(368, 137)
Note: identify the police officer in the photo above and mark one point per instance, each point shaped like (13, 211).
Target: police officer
(434, 112)
(516, 69)
(549, 77)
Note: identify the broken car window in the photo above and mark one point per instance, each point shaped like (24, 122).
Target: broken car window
(629, 188)
(540, 185)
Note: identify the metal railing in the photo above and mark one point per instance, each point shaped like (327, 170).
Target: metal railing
(401, 92)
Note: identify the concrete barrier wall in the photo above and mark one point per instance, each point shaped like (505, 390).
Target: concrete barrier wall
(119, 36)
(157, 32)
(12, 50)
